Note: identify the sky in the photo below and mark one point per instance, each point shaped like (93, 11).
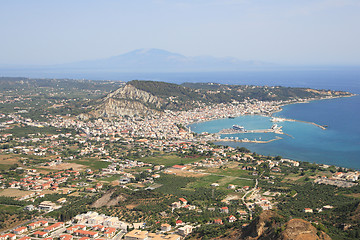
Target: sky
(306, 32)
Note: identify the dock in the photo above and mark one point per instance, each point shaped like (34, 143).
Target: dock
(245, 140)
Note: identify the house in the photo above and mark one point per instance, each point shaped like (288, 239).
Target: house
(185, 230)
(183, 201)
(136, 235)
(218, 221)
(25, 238)
(111, 222)
(224, 210)
(308, 210)
(8, 236)
(47, 206)
(95, 220)
(37, 224)
(84, 238)
(74, 228)
(100, 228)
(61, 200)
(179, 222)
(232, 218)
(66, 237)
(242, 212)
(29, 208)
(109, 232)
(179, 167)
(176, 205)
(20, 230)
(53, 227)
(165, 227)
(40, 234)
(327, 207)
(83, 233)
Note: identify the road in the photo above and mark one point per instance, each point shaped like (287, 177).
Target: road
(251, 191)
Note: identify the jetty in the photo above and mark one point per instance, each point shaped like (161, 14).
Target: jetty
(276, 119)
(245, 140)
(274, 129)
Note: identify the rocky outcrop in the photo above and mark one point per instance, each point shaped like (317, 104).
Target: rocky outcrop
(128, 101)
(260, 227)
(299, 229)
(129, 92)
(268, 227)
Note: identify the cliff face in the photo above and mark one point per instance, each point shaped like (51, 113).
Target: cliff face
(128, 101)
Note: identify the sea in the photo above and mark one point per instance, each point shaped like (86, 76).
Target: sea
(338, 145)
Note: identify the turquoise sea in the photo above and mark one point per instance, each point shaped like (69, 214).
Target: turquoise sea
(338, 145)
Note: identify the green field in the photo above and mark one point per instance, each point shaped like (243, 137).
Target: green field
(111, 178)
(233, 172)
(92, 163)
(4, 166)
(169, 160)
(9, 208)
(205, 181)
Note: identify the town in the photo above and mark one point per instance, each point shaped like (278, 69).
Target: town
(150, 177)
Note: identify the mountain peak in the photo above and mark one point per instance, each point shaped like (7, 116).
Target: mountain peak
(151, 52)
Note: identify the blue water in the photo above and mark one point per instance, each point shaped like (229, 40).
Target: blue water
(338, 145)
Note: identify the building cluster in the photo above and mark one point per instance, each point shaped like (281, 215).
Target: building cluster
(39, 182)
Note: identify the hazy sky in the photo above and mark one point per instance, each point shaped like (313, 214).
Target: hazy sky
(279, 31)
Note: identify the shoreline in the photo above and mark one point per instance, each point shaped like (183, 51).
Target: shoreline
(276, 111)
(338, 164)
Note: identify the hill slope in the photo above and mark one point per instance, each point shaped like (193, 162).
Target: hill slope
(151, 97)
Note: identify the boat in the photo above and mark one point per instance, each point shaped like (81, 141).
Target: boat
(276, 127)
(239, 128)
(275, 119)
(231, 117)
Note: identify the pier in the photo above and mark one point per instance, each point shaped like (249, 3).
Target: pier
(245, 140)
(274, 129)
(275, 119)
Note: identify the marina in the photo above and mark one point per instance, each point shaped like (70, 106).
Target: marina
(240, 129)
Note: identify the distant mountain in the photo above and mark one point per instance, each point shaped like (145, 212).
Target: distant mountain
(158, 60)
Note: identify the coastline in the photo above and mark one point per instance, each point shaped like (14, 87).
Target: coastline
(333, 163)
(274, 111)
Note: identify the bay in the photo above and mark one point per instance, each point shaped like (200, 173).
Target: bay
(338, 145)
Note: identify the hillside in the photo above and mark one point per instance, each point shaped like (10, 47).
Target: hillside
(267, 226)
(151, 97)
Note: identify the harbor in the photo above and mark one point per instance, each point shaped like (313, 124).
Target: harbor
(236, 129)
(245, 140)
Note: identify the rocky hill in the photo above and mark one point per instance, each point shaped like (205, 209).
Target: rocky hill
(151, 97)
(270, 226)
(267, 226)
